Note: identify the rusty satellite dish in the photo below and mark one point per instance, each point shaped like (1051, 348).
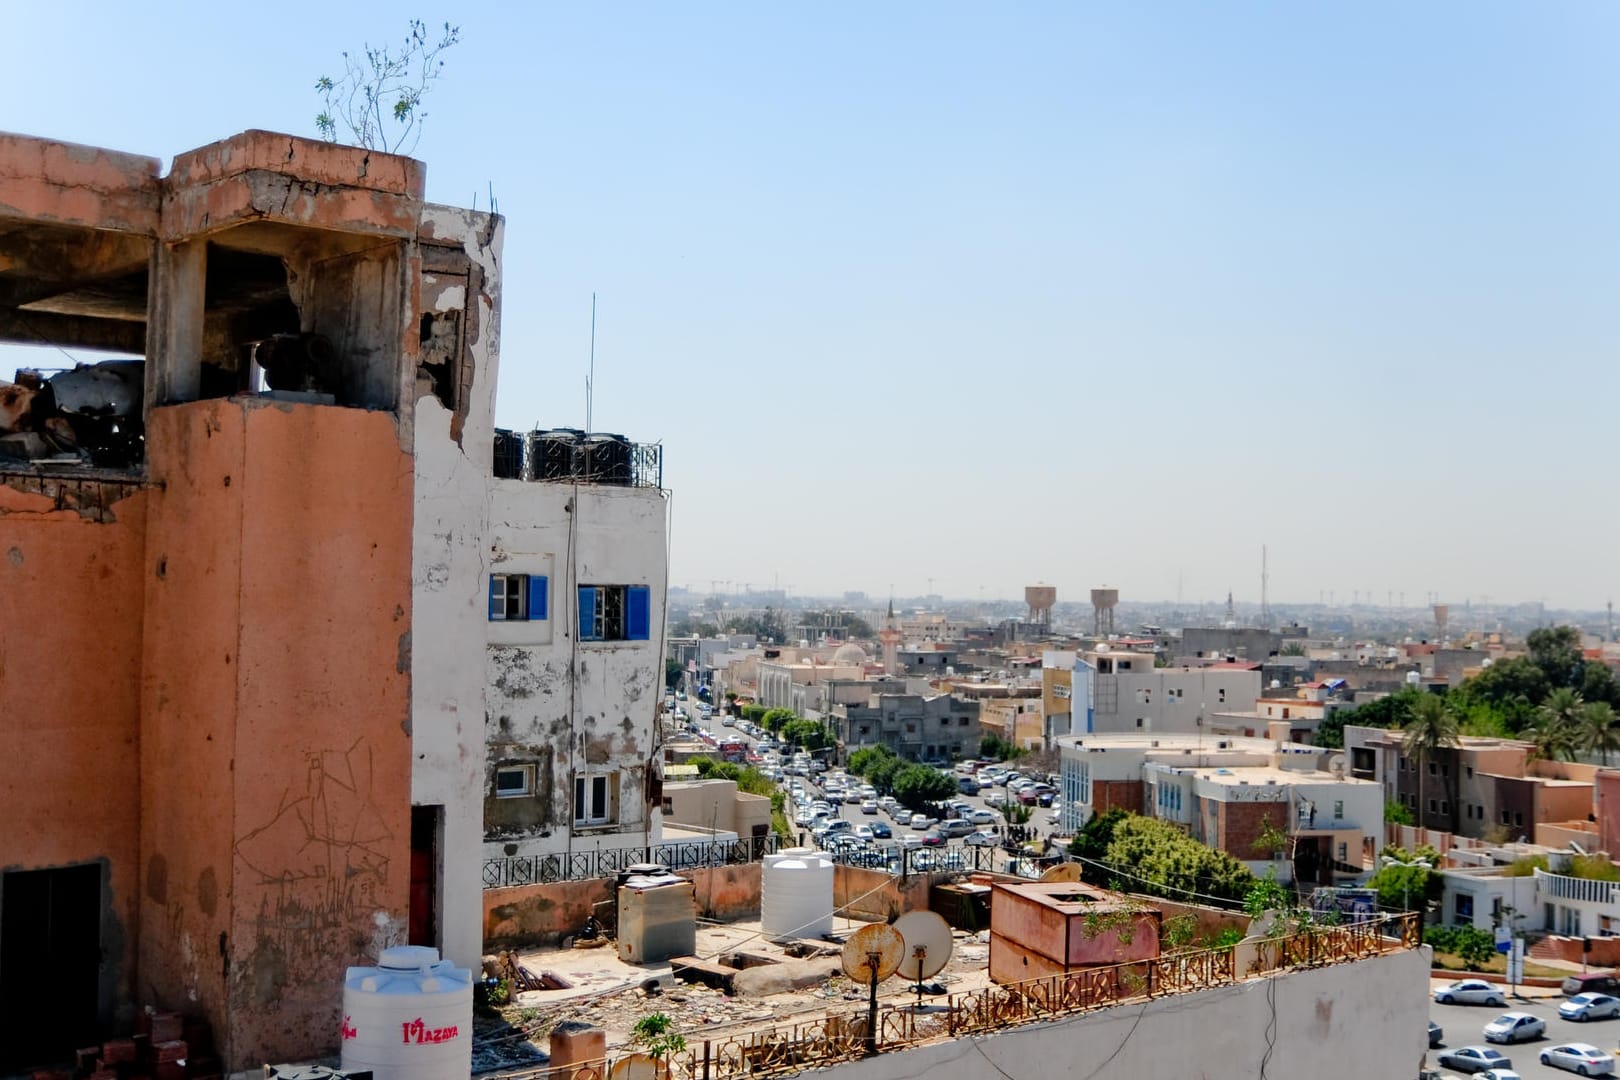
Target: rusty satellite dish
(928, 944)
(876, 942)
(1063, 871)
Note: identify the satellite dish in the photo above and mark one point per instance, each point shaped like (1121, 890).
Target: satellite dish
(638, 1067)
(1063, 871)
(878, 941)
(927, 945)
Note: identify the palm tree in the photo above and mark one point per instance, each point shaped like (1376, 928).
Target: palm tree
(1557, 730)
(1430, 727)
(1600, 729)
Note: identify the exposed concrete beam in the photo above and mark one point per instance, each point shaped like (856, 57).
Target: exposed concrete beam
(73, 332)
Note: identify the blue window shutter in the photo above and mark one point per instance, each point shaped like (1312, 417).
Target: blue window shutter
(587, 612)
(537, 598)
(637, 613)
(496, 610)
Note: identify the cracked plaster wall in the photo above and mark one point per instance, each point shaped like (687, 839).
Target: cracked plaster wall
(449, 564)
(564, 705)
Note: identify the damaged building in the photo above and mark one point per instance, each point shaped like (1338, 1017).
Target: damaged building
(249, 547)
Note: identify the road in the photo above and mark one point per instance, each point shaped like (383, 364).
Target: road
(1463, 1025)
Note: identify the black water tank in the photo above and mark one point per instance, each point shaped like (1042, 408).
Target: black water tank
(607, 459)
(554, 454)
(508, 455)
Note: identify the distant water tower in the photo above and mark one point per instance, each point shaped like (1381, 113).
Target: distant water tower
(1442, 616)
(1040, 599)
(1103, 602)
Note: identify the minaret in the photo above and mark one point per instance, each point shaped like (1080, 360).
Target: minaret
(890, 635)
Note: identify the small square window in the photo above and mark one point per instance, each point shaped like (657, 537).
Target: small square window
(593, 799)
(517, 597)
(514, 781)
(1434, 806)
(615, 613)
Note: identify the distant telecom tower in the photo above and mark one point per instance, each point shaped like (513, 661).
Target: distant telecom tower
(1265, 584)
(1231, 610)
(1442, 619)
(1103, 602)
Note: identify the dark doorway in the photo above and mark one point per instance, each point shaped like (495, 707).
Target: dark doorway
(425, 832)
(50, 963)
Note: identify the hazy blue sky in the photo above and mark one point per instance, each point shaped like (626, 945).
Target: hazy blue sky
(997, 293)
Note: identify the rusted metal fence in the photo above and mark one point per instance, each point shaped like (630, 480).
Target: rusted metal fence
(829, 1039)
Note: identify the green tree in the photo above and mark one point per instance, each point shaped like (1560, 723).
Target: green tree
(673, 673)
(1400, 884)
(1267, 894)
(918, 785)
(1396, 814)
(772, 720)
(864, 759)
(1090, 845)
(1555, 732)
(1599, 729)
(881, 774)
(378, 98)
(1512, 687)
(1158, 858)
(994, 746)
(1556, 650)
(1430, 727)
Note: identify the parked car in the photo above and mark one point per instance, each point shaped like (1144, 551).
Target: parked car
(933, 839)
(1512, 1027)
(1028, 797)
(981, 839)
(1590, 1007)
(981, 817)
(967, 785)
(1473, 1059)
(864, 833)
(1583, 1059)
(955, 827)
(1592, 982)
(868, 806)
(1045, 798)
(881, 830)
(911, 840)
(1493, 1074)
(1437, 1034)
(1470, 992)
(922, 821)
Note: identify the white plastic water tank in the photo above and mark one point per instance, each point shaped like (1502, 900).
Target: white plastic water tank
(408, 1018)
(796, 894)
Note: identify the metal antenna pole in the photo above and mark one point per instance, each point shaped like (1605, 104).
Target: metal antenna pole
(590, 379)
(872, 961)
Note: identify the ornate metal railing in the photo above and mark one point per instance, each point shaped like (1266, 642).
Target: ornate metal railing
(827, 1040)
(608, 862)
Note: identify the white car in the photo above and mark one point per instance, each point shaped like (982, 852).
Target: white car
(1583, 1059)
(1590, 1007)
(1512, 1027)
(868, 806)
(1470, 992)
(981, 817)
(922, 821)
(864, 833)
(981, 839)
(1498, 1074)
(910, 840)
(1473, 1059)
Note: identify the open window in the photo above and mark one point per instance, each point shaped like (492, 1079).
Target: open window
(518, 597)
(615, 613)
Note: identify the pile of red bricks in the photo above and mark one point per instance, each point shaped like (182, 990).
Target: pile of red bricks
(165, 1046)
